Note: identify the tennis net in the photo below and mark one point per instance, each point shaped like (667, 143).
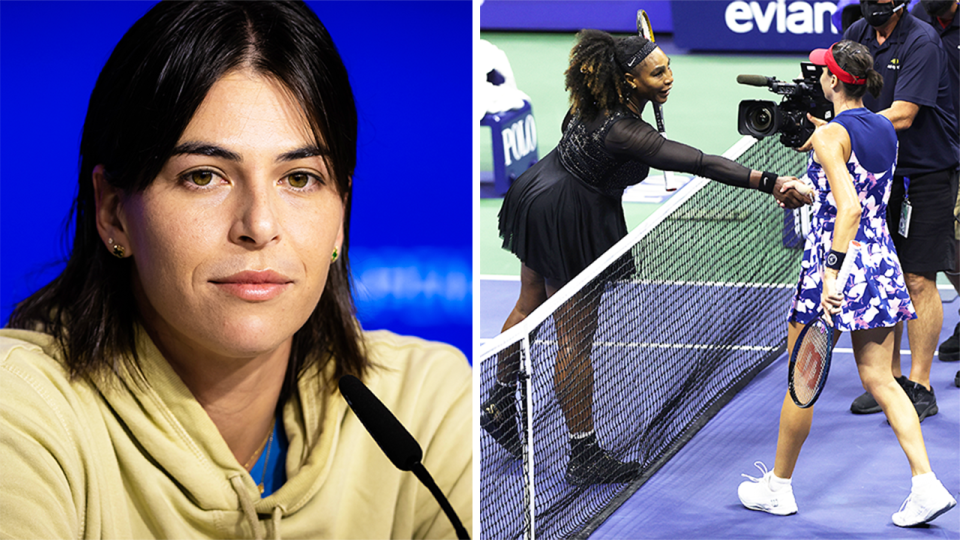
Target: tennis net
(672, 321)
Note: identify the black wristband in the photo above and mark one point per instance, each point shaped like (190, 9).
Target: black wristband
(767, 181)
(835, 260)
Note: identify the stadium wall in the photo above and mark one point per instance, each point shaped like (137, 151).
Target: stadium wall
(699, 25)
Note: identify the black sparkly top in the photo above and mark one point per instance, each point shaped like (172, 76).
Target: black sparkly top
(617, 149)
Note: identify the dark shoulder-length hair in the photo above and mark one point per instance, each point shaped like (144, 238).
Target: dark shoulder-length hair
(147, 93)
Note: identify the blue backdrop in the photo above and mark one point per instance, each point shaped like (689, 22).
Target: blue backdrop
(410, 66)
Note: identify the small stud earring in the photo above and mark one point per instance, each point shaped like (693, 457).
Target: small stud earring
(333, 258)
(118, 250)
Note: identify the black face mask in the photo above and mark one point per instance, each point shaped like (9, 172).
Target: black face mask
(938, 8)
(876, 14)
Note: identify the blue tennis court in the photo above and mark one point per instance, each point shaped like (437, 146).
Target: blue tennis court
(850, 478)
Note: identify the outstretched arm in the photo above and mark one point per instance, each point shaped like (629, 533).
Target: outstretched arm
(640, 141)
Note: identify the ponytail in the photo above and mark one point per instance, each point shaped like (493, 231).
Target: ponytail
(594, 79)
(874, 82)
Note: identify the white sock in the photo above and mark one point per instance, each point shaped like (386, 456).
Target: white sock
(581, 434)
(777, 483)
(923, 481)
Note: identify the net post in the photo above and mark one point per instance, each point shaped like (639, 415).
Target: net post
(526, 376)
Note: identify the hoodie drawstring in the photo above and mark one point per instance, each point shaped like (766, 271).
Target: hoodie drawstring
(247, 506)
(275, 522)
(249, 512)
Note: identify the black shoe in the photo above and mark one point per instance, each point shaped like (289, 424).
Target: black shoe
(924, 400)
(596, 466)
(865, 404)
(950, 349)
(498, 417)
(956, 380)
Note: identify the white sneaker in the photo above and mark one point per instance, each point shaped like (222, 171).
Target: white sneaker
(923, 505)
(757, 494)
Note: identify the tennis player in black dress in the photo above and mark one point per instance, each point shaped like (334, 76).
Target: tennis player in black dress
(565, 211)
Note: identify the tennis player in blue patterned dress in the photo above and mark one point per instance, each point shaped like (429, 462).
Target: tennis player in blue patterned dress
(852, 166)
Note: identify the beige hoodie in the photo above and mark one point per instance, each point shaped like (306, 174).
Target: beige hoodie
(128, 460)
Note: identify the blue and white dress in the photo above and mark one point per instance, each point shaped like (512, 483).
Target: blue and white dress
(875, 293)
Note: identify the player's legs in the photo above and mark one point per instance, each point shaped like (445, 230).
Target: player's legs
(895, 354)
(576, 323)
(773, 492)
(533, 292)
(928, 498)
(872, 348)
(498, 414)
(794, 422)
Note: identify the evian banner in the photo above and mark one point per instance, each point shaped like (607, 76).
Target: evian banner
(757, 25)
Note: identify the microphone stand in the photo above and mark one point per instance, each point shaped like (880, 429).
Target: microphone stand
(421, 473)
(395, 441)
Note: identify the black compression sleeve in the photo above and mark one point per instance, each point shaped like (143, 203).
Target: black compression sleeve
(640, 141)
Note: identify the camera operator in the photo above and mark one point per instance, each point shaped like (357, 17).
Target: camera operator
(916, 98)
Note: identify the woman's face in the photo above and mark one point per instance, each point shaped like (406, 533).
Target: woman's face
(232, 241)
(653, 77)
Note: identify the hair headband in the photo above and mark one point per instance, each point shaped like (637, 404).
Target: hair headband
(842, 74)
(638, 56)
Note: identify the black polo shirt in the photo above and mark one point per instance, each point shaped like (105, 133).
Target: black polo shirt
(914, 69)
(950, 37)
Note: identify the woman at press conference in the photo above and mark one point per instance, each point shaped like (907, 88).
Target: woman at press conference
(179, 377)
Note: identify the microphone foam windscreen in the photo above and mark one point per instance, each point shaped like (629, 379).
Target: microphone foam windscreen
(394, 439)
(753, 80)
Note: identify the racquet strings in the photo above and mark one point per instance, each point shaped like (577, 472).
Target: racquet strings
(810, 365)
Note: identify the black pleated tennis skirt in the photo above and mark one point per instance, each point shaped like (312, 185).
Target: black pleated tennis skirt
(555, 223)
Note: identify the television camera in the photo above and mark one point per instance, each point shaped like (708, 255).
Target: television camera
(760, 118)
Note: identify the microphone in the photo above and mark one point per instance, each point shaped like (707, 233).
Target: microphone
(755, 80)
(395, 441)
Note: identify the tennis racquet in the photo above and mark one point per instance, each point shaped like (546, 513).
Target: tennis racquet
(644, 30)
(810, 359)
